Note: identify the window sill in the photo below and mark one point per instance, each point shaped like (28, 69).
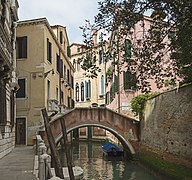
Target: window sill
(129, 90)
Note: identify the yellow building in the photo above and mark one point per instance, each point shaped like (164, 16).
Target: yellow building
(45, 75)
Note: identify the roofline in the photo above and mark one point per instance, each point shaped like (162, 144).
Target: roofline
(45, 22)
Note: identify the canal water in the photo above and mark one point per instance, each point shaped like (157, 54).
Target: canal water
(89, 156)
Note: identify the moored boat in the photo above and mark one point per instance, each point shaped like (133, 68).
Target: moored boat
(111, 149)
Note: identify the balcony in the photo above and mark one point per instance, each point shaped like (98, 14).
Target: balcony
(53, 105)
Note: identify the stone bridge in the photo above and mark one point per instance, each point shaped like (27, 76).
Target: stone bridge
(126, 129)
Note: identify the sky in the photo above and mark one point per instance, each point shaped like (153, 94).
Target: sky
(69, 13)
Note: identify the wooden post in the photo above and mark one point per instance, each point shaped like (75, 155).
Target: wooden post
(52, 145)
(69, 162)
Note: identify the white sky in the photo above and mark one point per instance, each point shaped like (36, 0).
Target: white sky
(69, 13)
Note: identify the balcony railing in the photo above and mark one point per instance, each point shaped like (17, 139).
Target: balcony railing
(53, 105)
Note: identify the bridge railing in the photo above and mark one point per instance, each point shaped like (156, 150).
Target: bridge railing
(44, 161)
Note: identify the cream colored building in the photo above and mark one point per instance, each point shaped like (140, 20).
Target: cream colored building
(89, 92)
(8, 82)
(45, 75)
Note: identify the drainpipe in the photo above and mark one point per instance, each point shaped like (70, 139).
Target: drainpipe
(118, 73)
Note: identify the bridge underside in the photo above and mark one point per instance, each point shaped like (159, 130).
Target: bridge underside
(125, 129)
(127, 146)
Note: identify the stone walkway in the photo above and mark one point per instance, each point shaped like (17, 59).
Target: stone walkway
(18, 165)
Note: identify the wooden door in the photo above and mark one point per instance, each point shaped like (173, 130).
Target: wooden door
(20, 136)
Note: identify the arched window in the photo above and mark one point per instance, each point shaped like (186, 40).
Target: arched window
(102, 90)
(77, 91)
(82, 91)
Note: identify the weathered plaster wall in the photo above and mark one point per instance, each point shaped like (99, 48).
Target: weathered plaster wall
(167, 124)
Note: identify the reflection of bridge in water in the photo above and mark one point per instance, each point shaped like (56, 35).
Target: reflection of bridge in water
(124, 128)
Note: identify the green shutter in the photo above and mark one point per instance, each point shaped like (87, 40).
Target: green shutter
(61, 37)
(130, 80)
(68, 51)
(127, 49)
(112, 95)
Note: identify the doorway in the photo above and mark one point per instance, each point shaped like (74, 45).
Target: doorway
(20, 136)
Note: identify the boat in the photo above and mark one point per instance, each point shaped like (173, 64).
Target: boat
(111, 149)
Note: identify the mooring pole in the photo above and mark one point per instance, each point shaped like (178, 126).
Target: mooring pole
(52, 145)
(69, 160)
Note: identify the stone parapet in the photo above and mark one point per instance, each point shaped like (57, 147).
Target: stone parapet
(167, 124)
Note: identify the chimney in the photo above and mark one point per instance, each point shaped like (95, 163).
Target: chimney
(94, 33)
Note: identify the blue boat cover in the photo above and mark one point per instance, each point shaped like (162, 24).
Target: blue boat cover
(107, 147)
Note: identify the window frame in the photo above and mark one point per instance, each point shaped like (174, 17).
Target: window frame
(77, 92)
(21, 47)
(25, 89)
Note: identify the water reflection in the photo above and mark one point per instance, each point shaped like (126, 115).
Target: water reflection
(89, 156)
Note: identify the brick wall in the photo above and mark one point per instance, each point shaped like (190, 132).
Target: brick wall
(167, 124)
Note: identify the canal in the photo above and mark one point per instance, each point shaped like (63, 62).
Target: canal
(89, 156)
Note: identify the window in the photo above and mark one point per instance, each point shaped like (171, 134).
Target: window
(21, 93)
(62, 97)
(107, 98)
(48, 89)
(82, 91)
(61, 37)
(65, 77)
(21, 46)
(100, 57)
(68, 77)
(49, 50)
(127, 49)
(69, 102)
(68, 51)
(102, 85)
(78, 49)
(61, 68)
(77, 91)
(59, 65)
(72, 103)
(88, 89)
(130, 80)
(155, 33)
(72, 81)
(57, 93)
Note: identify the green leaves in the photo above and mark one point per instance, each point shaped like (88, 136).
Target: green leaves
(138, 102)
(161, 48)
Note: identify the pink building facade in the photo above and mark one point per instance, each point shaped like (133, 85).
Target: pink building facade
(121, 84)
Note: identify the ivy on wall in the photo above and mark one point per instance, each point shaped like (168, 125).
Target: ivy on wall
(138, 102)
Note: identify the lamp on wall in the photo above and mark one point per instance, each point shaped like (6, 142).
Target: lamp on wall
(41, 74)
(50, 71)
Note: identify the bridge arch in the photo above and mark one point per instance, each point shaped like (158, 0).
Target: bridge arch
(126, 129)
(126, 144)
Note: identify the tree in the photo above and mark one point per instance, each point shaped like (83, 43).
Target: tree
(169, 34)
